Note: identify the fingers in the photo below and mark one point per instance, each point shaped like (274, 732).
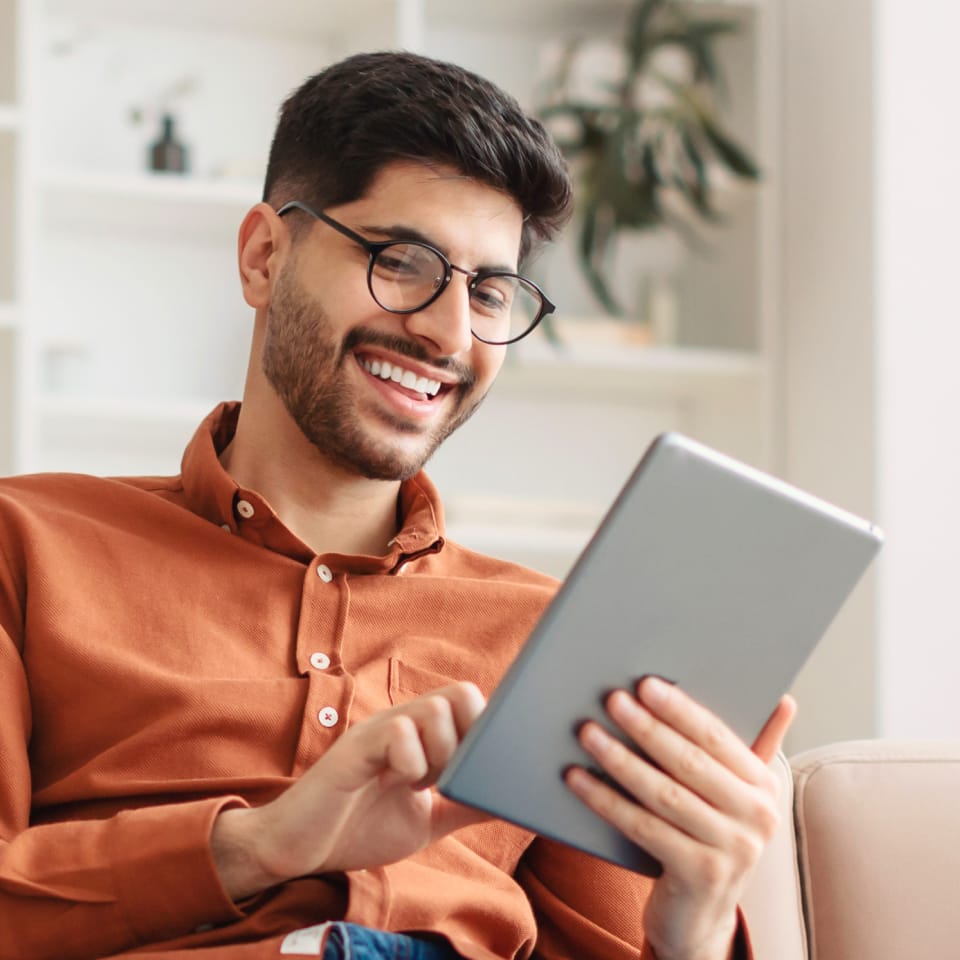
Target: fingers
(418, 738)
(466, 702)
(704, 804)
(693, 754)
(674, 717)
(663, 798)
(703, 785)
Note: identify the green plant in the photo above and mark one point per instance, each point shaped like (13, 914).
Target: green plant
(646, 145)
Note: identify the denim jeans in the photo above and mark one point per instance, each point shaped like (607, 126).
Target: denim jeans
(347, 941)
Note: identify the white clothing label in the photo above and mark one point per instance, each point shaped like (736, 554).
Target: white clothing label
(307, 942)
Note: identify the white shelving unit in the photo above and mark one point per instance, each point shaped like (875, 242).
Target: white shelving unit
(11, 234)
(145, 202)
(132, 326)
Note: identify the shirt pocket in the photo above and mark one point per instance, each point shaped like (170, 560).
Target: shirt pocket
(406, 682)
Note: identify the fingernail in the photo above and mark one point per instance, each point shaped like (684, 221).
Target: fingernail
(591, 736)
(577, 780)
(653, 691)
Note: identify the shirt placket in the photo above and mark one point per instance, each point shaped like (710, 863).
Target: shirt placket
(324, 609)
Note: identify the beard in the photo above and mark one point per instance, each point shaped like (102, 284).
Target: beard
(304, 363)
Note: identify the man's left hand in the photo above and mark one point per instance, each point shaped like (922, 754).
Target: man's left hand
(705, 808)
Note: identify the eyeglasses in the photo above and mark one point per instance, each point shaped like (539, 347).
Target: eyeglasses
(405, 276)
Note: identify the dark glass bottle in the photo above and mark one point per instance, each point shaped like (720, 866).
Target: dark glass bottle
(168, 154)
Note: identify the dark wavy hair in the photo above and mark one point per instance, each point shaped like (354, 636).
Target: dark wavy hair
(342, 126)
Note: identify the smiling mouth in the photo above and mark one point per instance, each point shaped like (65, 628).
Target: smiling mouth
(401, 376)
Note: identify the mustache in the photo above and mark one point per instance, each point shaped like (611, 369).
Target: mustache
(365, 337)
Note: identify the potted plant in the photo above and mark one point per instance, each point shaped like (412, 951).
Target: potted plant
(642, 133)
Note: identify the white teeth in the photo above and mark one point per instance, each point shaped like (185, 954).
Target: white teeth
(406, 378)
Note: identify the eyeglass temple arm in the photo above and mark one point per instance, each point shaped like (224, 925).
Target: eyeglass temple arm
(329, 221)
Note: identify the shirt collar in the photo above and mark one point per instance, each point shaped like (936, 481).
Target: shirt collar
(213, 494)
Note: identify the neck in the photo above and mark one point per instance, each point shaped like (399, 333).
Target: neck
(328, 508)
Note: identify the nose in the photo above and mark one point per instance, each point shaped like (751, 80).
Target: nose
(446, 321)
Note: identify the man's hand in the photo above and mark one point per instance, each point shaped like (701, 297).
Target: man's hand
(706, 814)
(365, 803)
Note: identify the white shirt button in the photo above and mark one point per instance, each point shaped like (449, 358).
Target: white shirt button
(227, 527)
(319, 661)
(324, 573)
(245, 509)
(328, 717)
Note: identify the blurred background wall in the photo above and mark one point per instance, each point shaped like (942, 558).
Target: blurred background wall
(816, 338)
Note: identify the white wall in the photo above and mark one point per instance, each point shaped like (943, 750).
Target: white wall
(827, 341)
(918, 323)
(871, 346)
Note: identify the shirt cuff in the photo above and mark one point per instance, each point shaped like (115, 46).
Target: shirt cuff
(167, 882)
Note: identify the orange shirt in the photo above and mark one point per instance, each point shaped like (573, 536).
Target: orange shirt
(168, 649)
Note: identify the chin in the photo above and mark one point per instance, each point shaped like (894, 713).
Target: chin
(378, 462)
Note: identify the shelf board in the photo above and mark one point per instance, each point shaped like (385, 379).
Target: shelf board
(9, 117)
(297, 18)
(146, 200)
(648, 371)
(8, 316)
(293, 18)
(122, 413)
(672, 371)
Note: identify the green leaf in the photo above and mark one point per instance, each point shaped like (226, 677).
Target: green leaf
(684, 168)
(627, 158)
(700, 48)
(589, 247)
(640, 38)
(733, 156)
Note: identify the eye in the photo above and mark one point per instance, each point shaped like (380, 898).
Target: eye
(396, 261)
(409, 263)
(494, 295)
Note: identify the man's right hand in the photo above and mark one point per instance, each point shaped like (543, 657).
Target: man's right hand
(367, 802)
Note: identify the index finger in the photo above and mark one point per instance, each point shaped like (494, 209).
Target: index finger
(466, 703)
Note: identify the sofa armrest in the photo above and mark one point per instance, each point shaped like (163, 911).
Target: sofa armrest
(878, 834)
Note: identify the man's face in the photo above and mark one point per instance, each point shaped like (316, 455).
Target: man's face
(335, 357)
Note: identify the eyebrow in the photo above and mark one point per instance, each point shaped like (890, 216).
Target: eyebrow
(401, 232)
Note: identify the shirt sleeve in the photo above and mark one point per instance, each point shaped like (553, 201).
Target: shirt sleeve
(92, 888)
(586, 907)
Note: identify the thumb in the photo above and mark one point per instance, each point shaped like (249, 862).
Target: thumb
(775, 729)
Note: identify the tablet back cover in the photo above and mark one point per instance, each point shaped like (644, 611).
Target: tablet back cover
(704, 571)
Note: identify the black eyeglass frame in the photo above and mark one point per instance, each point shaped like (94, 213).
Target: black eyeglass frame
(375, 247)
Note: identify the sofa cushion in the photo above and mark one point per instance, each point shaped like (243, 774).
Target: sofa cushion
(772, 905)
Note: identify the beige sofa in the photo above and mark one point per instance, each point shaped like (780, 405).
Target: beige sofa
(866, 863)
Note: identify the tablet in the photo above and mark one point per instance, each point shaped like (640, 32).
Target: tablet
(704, 571)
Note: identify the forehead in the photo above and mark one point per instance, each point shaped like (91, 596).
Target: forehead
(457, 213)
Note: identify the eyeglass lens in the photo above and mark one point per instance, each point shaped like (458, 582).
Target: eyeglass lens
(406, 276)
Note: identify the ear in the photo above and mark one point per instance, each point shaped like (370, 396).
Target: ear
(262, 244)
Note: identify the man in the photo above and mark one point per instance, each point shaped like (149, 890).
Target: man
(225, 696)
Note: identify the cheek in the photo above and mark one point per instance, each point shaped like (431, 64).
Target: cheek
(340, 286)
(487, 361)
